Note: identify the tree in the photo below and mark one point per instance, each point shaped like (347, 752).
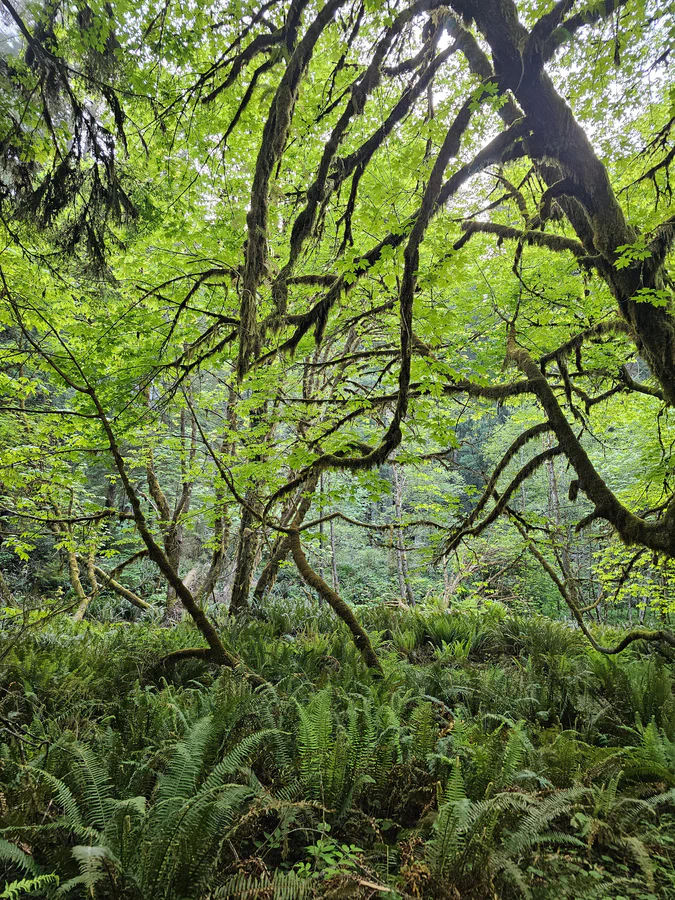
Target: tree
(193, 203)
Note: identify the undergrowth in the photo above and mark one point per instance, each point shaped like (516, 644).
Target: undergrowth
(497, 757)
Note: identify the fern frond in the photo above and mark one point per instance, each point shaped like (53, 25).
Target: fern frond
(177, 829)
(509, 868)
(635, 848)
(280, 886)
(94, 783)
(66, 799)
(455, 789)
(90, 861)
(11, 853)
(237, 759)
(28, 886)
(181, 777)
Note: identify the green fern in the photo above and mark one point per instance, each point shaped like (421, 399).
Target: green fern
(279, 886)
(449, 825)
(12, 854)
(188, 758)
(238, 757)
(94, 784)
(71, 809)
(28, 886)
(424, 731)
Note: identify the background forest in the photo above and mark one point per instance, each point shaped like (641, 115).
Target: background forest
(337, 517)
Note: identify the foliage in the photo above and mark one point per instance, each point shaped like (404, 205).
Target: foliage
(337, 520)
(123, 782)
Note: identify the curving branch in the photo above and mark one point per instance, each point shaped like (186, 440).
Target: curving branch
(574, 344)
(659, 535)
(333, 599)
(155, 552)
(554, 242)
(500, 506)
(520, 442)
(658, 636)
(562, 151)
(118, 588)
(275, 133)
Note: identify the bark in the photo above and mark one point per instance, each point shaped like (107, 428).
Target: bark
(452, 582)
(221, 531)
(247, 550)
(272, 145)
(578, 179)
(74, 574)
(659, 636)
(405, 589)
(282, 546)
(337, 604)
(170, 521)
(6, 596)
(222, 523)
(219, 653)
(554, 515)
(321, 568)
(249, 544)
(446, 581)
(135, 557)
(118, 588)
(658, 535)
(333, 559)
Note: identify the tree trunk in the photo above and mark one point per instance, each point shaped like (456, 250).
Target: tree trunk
(333, 558)
(584, 188)
(554, 514)
(321, 570)
(247, 550)
(404, 586)
(282, 545)
(74, 573)
(5, 593)
(221, 533)
(173, 546)
(170, 523)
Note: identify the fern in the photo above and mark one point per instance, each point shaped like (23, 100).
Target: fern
(181, 777)
(94, 783)
(90, 861)
(28, 886)
(542, 813)
(424, 731)
(238, 757)
(176, 828)
(635, 848)
(11, 853)
(451, 821)
(71, 810)
(654, 759)
(280, 886)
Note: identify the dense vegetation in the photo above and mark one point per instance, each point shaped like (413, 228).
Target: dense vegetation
(337, 512)
(498, 756)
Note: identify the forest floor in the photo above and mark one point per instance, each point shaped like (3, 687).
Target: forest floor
(497, 757)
